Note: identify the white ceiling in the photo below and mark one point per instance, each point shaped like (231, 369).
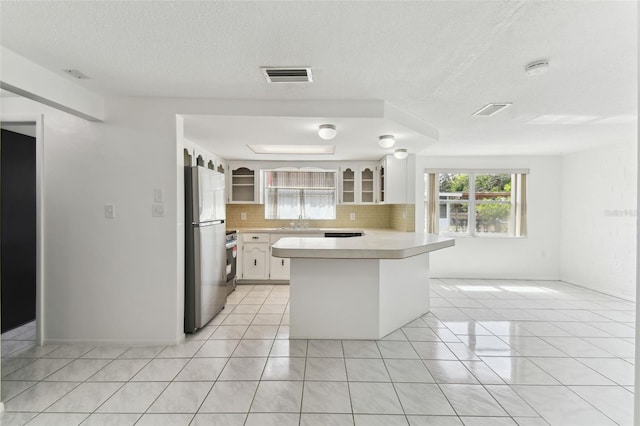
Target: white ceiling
(436, 61)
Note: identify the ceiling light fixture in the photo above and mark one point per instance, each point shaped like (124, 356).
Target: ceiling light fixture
(386, 141)
(400, 153)
(293, 149)
(327, 131)
(538, 67)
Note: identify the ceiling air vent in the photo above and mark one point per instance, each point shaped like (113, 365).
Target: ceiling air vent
(287, 74)
(491, 109)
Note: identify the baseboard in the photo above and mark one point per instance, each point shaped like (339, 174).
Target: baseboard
(115, 342)
(463, 277)
(613, 293)
(262, 282)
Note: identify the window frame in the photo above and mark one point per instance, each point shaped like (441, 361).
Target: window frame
(302, 190)
(517, 222)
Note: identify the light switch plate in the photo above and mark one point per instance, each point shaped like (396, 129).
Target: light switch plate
(110, 211)
(158, 195)
(157, 210)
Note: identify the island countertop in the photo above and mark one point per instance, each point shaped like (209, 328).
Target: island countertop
(302, 230)
(374, 244)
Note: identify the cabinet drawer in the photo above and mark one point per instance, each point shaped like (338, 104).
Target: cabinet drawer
(255, 238)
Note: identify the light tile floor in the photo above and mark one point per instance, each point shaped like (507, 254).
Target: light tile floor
(526, 353)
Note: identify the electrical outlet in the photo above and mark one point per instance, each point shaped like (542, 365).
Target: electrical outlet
(243, 216)
(110, 211)
(404, 215)
(352, 216)
(157, 210)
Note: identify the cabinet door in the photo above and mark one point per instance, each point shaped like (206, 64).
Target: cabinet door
(254, 261)
(382, 180)
(243, 185)
(348, 187)
(367, 185)
(279, 268)
(395, 180)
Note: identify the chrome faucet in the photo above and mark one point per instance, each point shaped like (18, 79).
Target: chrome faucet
(299, 224)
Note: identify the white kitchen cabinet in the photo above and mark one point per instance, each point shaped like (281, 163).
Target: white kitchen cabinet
(255, 256)
(392, 180)
(279, 268)
(255, 261)
(348, 186)
(358, 184)
(367, 188)
(243, 185)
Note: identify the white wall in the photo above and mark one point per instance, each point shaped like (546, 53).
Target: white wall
(536, 256)
(599, 219)
(108, 280)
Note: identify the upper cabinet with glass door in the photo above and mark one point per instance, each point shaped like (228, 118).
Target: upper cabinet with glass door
(358, 184)
(348, 188)
(368, 188)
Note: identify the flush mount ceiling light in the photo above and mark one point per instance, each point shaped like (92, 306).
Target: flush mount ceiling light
(386, 141)
(538, 67)
(327, 131)
(292, 149)
(400, 153)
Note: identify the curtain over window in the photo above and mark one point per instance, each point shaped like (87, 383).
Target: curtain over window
(294, 194)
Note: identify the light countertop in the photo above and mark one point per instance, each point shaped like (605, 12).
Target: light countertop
(298, 230)
(374, 244)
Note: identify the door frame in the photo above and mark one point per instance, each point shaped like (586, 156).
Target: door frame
(38, 120)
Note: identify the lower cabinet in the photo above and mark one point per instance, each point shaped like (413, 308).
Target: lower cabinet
(255, 256)
(279, 268)
(255, 260)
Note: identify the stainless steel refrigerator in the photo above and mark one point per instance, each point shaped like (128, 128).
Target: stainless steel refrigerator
(205, 254)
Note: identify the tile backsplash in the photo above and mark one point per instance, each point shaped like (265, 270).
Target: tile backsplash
(385, 216)
(403, 217)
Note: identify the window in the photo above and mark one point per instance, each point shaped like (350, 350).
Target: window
(476, 203)
(294, 194)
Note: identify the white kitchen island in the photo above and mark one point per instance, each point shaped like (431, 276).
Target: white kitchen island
(360, 287)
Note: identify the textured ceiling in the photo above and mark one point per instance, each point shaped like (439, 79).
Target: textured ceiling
(439, 61)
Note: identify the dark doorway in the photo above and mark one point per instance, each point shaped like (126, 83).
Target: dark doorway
(18, 228)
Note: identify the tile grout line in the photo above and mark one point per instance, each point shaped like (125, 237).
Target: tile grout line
(471, 317)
